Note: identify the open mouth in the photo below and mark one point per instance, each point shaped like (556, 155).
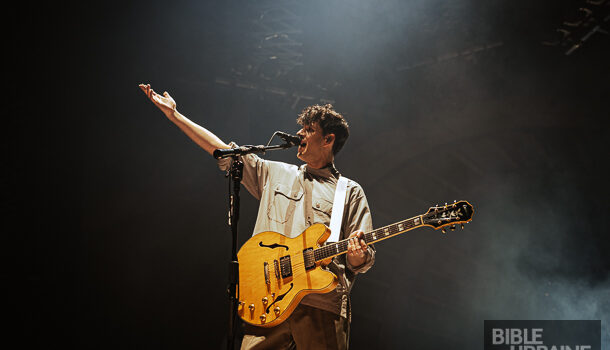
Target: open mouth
(301, 147)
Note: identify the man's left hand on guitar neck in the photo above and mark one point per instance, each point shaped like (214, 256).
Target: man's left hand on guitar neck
(357, 249)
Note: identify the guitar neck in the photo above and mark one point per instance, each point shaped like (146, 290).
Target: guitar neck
(333, 249)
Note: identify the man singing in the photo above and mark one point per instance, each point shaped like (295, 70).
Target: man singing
(321, 321)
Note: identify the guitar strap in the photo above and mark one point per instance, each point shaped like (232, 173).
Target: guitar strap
(337, 214)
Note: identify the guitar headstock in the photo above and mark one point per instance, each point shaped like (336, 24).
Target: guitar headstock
(448, 215)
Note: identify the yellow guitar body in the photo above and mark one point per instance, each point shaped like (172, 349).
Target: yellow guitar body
(275, 274)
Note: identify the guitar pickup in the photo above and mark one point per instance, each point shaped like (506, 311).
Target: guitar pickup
(308, 258)
(285, 266)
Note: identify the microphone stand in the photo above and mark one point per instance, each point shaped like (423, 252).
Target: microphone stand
(235, 175)
(232, 152)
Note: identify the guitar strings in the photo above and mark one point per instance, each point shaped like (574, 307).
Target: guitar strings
(388, 230)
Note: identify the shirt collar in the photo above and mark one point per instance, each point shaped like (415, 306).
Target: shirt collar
(329, 171)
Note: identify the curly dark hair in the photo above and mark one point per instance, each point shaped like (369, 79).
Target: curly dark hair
(330, 122)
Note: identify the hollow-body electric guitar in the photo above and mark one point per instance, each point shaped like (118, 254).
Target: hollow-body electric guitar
(276, 272)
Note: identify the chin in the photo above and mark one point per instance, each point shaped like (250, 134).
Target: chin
(301, 155)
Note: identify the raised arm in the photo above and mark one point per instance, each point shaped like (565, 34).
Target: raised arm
(200, 135)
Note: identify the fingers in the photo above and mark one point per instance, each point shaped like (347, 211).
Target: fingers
(363, 245)
(148, 90)
(167, 96)
(356, 244)
(350, 247)
(356, 234)
(356, 247)
(358, 237)
(144, 88)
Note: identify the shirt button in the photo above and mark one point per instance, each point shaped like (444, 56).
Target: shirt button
(318, 205)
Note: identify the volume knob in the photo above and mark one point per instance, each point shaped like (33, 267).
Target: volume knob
(263, 318)
(251, 307)
(276, 310)
(265, 300)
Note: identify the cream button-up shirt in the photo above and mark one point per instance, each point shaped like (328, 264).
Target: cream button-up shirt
(292, 198)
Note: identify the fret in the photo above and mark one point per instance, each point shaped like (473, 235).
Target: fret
(338, 248)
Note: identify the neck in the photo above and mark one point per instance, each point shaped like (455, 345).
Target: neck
(338, 248)
(321, 163)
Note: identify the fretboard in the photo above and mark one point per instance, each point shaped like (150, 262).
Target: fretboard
(338, 248)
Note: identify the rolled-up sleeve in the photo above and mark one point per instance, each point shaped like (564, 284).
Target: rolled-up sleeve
(255, 171)
(359, 218)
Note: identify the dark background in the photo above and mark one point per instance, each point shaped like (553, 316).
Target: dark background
(116, 222)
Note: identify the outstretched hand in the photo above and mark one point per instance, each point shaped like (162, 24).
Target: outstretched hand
(164, 102)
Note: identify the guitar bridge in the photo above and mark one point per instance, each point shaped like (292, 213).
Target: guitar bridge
(285, 266)
(276, 267)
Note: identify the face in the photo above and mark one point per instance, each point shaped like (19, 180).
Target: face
(315, 149)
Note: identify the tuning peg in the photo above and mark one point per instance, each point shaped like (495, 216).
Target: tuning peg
(443, 230)
(452, 227)
(462, 226)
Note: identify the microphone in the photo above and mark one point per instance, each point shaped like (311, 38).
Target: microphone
(224, 153)
(291, 140)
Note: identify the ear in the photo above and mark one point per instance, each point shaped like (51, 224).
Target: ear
(329, 139)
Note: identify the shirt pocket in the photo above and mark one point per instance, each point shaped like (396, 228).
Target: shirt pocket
(322, 209)
(284, 202)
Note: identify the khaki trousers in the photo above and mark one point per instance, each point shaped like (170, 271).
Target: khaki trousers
(307, 328)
